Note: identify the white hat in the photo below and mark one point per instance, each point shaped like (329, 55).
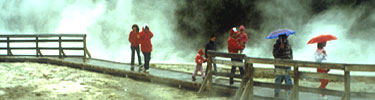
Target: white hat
(234, 29)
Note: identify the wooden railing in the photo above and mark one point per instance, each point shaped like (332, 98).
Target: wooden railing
(44, 38)
(246, 92)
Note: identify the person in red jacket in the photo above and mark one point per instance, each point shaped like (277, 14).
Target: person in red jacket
(199, 60)
(234, 47)
(242, 37)
(146, 46)
(134, 41)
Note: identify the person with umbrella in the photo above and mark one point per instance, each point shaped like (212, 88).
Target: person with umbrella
(320, 55)
(282, 50)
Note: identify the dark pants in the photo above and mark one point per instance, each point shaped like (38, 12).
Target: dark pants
(233, 70)
(215, 69)
(147, 56)
(133, 48)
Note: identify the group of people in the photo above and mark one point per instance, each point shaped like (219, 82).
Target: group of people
(142, 39)
(281, 50)
(236, 44)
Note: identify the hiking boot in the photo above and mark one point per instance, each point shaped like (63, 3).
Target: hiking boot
(193, 78)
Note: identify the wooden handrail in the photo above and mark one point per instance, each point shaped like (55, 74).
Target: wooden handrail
(42, 38)
(227, 55)
(245, 92)
(42, 35)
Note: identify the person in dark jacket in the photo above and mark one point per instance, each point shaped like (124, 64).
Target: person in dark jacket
(211, 45)
(134, 41)
(282, 50)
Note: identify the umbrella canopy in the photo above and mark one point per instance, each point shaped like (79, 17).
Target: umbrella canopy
(279, 32)
(322, 38)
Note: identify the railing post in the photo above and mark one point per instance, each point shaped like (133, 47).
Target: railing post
(251, 79)
(37, 46)
(347, 85)
(60, 47)
(295, 93)
(8, 47)
(209, 65)
(84, 48)
(206, 79)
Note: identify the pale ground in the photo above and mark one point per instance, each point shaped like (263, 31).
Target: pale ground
(33, 81)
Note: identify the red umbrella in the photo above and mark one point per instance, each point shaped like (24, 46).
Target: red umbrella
(322, 38)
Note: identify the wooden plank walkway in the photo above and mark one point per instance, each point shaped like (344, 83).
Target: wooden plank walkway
(180, 79)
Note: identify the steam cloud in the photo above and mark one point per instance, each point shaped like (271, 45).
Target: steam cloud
(181, 27)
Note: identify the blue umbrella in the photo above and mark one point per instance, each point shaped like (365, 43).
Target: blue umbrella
(277, 33)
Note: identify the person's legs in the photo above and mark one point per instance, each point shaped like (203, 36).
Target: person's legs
(232, 71)
(215, 69)
(146, 55)
(323, 82)
(288, 81)
(242, 72)
(196, 70)
(148, 60)
(202, 72)
(278, 81)
(139, 56)
(132, 55)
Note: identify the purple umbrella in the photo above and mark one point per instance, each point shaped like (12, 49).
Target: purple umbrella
(279, 32)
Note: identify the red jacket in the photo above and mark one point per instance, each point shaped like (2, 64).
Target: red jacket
(133, 38)
(199, 58)
(145, 37)
(233, 46)
(242, 37)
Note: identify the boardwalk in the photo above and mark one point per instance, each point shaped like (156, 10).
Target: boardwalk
(174, 78)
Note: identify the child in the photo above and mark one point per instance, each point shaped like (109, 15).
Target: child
(199, 60)
(320, 55)
(242, 37)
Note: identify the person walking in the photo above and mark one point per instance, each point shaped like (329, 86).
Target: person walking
(282, 50)
(146, 45)
(134, 41)
(199, 60)
(320, 55)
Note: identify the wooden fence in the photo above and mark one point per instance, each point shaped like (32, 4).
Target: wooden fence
(246, 92)
(44, 38)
